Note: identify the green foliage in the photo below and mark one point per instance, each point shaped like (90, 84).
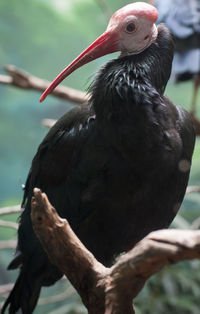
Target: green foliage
(175, 289)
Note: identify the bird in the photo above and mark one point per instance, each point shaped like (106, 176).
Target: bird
(116, 167)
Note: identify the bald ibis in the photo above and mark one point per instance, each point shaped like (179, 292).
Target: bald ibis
(117, 167)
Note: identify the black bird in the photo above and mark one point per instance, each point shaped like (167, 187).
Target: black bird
(117, 167)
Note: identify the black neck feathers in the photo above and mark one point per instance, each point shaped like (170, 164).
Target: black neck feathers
(129, 91)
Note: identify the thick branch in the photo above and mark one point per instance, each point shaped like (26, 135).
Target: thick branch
(22, 79)
(108, 290)
(79, 264)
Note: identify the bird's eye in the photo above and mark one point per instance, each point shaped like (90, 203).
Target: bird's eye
(130, 28)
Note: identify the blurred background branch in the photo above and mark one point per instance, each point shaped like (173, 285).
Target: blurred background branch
(8, 244)
(10, 210)
(193, 189)
(8, 224)
(20, 78)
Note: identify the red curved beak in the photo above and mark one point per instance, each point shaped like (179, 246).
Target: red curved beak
(105, 44)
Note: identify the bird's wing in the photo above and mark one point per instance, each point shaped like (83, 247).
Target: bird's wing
(183, 125)
(52, 163)
(184, 140)
(187, 132)
(50, 169)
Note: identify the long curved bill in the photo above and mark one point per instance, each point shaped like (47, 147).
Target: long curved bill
(105, 44)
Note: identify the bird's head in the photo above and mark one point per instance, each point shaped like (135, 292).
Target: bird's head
(130, 30)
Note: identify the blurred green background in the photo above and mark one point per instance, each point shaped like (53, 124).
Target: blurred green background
(42, 37)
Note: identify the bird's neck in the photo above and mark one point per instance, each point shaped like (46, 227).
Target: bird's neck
(129, 111)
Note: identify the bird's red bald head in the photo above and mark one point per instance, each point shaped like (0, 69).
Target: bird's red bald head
(139, 9)
(131, 30)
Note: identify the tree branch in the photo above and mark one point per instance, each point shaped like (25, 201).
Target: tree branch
(22, 79)
(108, 290)
(81, 267)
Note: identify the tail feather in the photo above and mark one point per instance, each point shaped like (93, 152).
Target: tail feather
(17, 261)
(24, 295)
(34, 273)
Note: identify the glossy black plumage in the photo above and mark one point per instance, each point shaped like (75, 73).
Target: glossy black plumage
(116, 168)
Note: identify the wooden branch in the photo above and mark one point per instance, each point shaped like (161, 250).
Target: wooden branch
(81, 267)
(22, 79)
(108, 290)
